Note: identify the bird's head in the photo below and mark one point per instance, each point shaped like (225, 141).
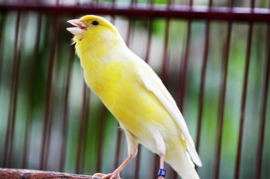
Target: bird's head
(92, 28)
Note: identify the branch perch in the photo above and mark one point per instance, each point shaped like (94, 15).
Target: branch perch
(6, 173)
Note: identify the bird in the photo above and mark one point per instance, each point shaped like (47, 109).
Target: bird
(135, 95)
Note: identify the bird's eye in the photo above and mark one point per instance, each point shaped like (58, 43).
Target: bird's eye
(95, 23)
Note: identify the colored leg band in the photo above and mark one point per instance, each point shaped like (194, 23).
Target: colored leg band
(162, 172)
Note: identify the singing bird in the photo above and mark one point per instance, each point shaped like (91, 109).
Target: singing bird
(135, 95)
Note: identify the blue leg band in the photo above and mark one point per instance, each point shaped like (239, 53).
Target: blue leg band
(162, 172)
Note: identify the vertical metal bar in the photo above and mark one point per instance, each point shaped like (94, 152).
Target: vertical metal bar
(130, 24)
(210, 4)
(11, 97)
(31, 94)
(2, 32)
(113, 16)
(66, 111)
(244, 94)
(149, 36)
(82, 123)
(85, 136)
(16, 90)
(66, 108)
(137, 165)
(230, 3)
(151, 3)
(184, 64)
(263, 108)
(101, 134)
(113, 4)
(48, 139)
(243, 102)
(165, 59)
(118, 145)
(50, 120)
(48, 96)
(190, 3)
(183, 71)
(202, 80)
(222, 101)
(222, 96)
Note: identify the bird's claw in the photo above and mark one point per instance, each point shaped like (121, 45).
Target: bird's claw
(107, 176)
(161, 177)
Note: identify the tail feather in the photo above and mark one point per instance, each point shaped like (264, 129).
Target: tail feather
(193, 153)
(180, 161)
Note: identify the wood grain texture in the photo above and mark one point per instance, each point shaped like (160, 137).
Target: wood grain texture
(6, 173)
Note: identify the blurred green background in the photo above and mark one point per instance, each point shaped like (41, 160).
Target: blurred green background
(138, 41)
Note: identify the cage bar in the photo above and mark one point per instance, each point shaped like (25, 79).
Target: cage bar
(244, 95)
(82, 124)
(243, 103)
(85, 136)
(222, 101)
(202, 80)
(21, 41)
(12, 99)
(101, 134)
(198, 13)
(2, 32)
(202, 84)
(66, 110)
(49, 99)
(263, 108)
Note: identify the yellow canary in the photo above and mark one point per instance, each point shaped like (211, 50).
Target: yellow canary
(135, 95)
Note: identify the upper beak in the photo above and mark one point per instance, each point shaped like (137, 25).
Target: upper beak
(76, 30)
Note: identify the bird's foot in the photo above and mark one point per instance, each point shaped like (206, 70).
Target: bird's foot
(161, 177)
(114, 175)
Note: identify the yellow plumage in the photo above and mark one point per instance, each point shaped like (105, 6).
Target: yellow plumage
(134, 94)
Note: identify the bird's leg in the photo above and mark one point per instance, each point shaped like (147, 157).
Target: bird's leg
(132, 151)
(116, 173)
(118, 170)
(162, 171)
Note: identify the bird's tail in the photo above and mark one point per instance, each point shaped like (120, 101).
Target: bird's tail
(180, 161)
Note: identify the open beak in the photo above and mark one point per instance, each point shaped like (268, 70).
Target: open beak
(80, 27)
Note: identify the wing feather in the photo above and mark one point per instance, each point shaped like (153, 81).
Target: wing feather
(153, 83)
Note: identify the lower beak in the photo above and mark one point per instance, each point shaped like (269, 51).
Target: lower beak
(75, 30)
(80, 26)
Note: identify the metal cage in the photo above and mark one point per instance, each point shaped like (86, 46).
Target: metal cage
(212, 56)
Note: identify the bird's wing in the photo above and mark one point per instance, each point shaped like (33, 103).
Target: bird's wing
(153, 83)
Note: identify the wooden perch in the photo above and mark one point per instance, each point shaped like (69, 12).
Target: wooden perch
(6, 173)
